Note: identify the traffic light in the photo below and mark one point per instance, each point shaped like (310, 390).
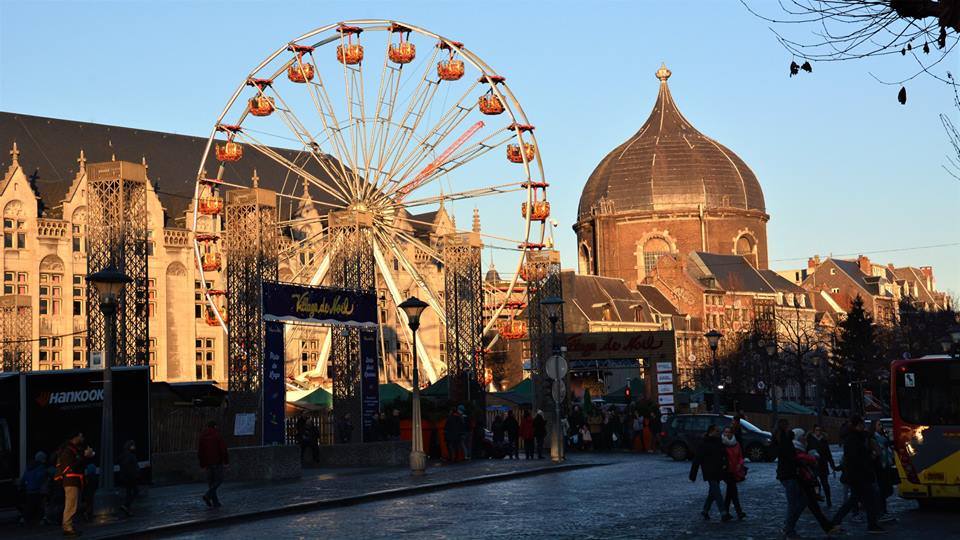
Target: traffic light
(626, 393)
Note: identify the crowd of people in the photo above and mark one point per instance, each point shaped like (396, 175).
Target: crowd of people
(804, 462)
(613, 429)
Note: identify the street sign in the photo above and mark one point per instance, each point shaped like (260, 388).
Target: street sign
(760, 385)
(664, 377)
(556, 367)
(664, 366)
(96, 359)
(665, 399)
(908, 380)
(664, 388)
(558, 390)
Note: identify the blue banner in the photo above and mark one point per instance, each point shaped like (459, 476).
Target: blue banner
(274, 384)
(369, 381)
(319, 305)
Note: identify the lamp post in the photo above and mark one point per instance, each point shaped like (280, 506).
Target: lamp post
(109, 283)
(413, 307)
(771, 348)
(713, 339)
(552, 306)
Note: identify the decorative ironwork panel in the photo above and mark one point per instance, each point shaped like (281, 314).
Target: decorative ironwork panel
(352, 268)
(16, 347)
(250, 248)
(463, 299)
(116, 230)
(543, 271)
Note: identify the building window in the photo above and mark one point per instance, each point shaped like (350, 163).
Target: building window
(153, 358)
(14, 235)
(835, 290)
(151, 297)
(77, 238)
(653, 249)
(79, 295)
(50, 353)
(51, 294)
(833, 271)
(79, 352)
(15, 283)
(309, 354)
(149, 243)
(205, 359)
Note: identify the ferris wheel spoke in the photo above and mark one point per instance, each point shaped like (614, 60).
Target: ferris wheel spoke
(417, 244)
(459, 159)
(310, 144)
(328, 117)
(510, 241)
(411, 269)
(354, 95)
(401, 315)
(293, 167)
(470, 194)
(423, 93)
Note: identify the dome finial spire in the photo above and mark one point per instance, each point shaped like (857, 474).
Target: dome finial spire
(663, 73)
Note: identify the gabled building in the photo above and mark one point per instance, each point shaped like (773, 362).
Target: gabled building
(843, 280)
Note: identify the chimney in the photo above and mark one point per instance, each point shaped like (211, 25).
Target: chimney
(927, 272)
(813, 262)
(864, 263)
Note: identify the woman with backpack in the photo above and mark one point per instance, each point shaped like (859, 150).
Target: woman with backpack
(711, 459)
(808, 480)
(736, 472)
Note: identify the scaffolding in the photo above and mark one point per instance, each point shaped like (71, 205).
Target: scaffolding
(250, 248)
(543, 271)
(16, 347)
(352, 268)
(463, 306)
(117, 235)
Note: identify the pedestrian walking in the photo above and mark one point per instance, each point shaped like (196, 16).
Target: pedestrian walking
(129, 476)
(787, 475)
(213, 456)
(512, 429)
(817, 442)
(860, 472)
(452, 431)
(72, 461)
(526, 433)
(737, 429)
(655, 426)
(807, 481)
(711, 459)
(466, 437)
(345, 429)
(887, 475)
(637, 439)
(34, 485)
(497, 428)
(586, 437)
(647, 435)
(539, 432)
(736, 472)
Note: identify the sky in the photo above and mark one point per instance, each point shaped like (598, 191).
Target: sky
(845, 169)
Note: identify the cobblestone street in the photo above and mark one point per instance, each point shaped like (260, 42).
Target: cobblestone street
(632, 497)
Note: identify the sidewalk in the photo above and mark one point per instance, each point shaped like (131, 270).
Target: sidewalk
(179, 508)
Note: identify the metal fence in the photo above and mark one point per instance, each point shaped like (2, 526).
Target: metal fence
(322, 421)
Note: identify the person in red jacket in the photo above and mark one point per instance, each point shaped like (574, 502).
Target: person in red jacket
(212, 453)
(736, 472)
(526, 433)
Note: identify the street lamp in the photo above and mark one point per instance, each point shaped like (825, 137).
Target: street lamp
(413, 307)
(713, 339)
(552, 306)
(771, 348)
(109, 284)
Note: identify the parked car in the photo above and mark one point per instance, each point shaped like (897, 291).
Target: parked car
(683, 432)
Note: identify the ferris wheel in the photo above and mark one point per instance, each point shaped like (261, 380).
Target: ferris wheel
(385, 123)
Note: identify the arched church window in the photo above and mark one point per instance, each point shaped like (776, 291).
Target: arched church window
(744, 245)
(653, 249)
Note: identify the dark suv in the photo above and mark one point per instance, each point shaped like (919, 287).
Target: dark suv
(682, 434)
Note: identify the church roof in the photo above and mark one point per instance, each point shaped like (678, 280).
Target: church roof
(50, 147)
(669, 165)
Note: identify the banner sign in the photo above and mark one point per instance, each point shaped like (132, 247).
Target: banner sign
(320, 305)
(369, 381)
(653, 346)
(274, 385)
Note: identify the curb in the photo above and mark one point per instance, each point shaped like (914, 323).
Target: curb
(298, 508)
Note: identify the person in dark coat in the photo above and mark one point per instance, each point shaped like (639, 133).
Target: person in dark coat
(539, 432)
(859, 468)
(711, 459)
(787, 475)
(213, 456)
(34, 486)
(452, 432)
(497, 429)
(129, 475)
(526, 434)
(655, 427)
(512, 429)
(817, 442)
(807, 480)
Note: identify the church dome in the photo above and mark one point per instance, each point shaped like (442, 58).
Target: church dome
(668, 165)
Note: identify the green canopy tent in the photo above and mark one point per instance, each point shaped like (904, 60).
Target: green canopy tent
(620, 396)
(524, 389)
(439, 389)
(317, 397)
(390, 392)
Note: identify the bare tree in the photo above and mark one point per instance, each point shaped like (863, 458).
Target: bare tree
(926, 31)
(799, 341)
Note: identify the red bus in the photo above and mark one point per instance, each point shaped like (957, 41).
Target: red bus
(925, 407)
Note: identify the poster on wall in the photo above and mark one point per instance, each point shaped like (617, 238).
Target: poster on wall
(274, 385)
(369, 380)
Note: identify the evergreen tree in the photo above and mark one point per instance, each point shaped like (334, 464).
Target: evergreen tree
(858, 349)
